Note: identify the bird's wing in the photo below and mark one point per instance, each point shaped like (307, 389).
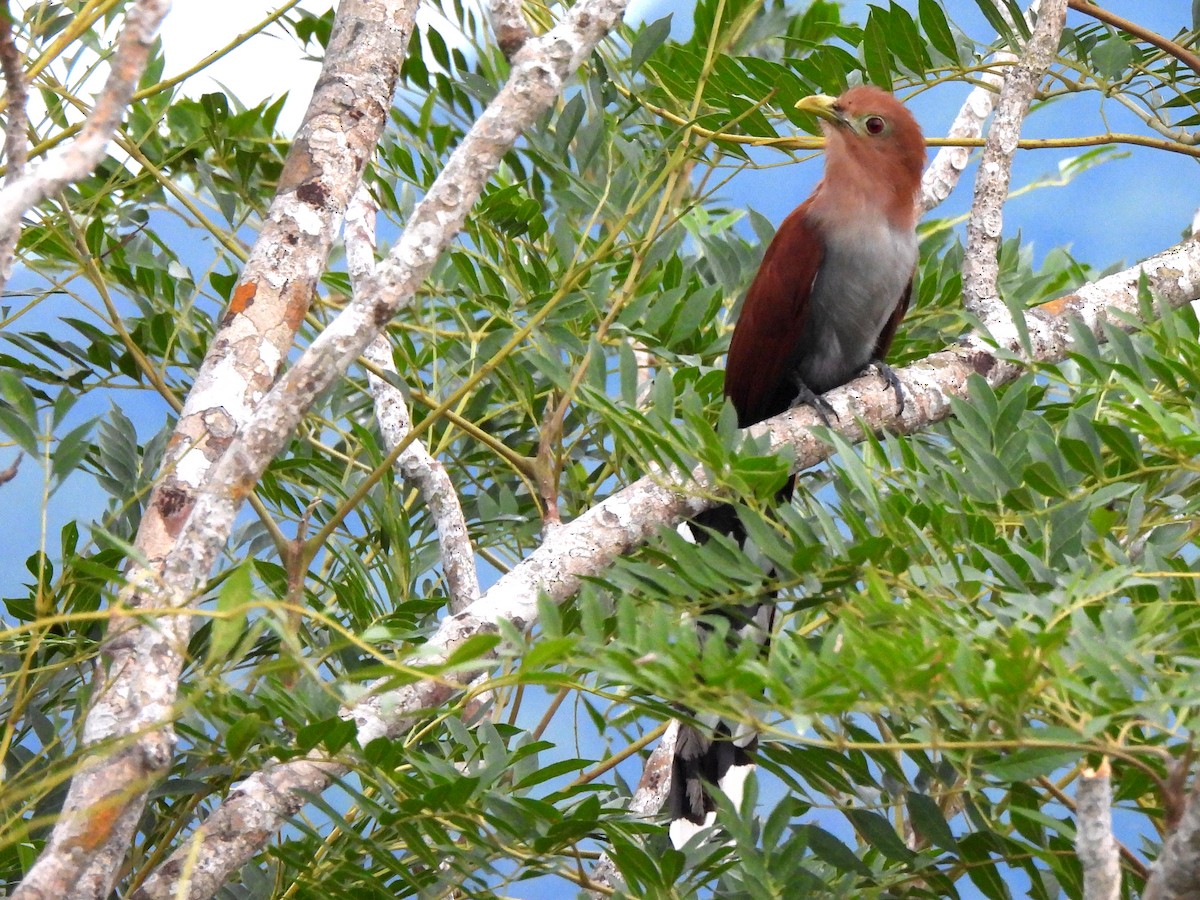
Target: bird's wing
(889, 330)
(772, 320)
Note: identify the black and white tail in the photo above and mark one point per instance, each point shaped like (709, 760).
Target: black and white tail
(712, 753)
(702, 761)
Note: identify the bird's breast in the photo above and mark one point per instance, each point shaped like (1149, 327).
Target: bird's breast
(863, 276)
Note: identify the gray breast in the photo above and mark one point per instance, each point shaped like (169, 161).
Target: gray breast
(861, 279)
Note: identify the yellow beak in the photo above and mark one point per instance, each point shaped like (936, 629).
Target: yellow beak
(822, 106)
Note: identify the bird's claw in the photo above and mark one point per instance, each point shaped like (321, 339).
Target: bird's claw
(890, 378)
(806, 397)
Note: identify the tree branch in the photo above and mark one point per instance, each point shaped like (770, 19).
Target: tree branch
(343, 123)
(16, 145)
(1176, 872)
(134, 695)
(78, 158)
(415, 462)
(648, 800)
(509, 25)
(539, 72)
(1094, 842)
(589, 544)
(981, 262)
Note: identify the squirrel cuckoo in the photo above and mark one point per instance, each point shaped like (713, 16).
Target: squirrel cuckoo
(833, 285)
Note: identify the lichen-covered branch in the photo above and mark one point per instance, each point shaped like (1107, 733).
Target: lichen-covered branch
(134, 695)
(647, 800)
(1176, 872)
(1094, 842)
(79, 157)
(981, 264)
(540, 70)
(415, 463)
(342, 124)
(943, 173)
(509, 25)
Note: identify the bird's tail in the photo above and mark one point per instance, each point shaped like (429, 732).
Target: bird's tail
(712, 753)
(705, 758)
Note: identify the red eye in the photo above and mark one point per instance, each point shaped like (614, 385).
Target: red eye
(875, 125)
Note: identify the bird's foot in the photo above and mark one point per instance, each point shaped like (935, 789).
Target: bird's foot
(819, 405)
(891, 378)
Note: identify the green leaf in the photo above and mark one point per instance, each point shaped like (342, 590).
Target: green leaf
(649, 40)
(996, 19)
(233, 606)
(879, 833)
(19, 430)
(1030, 763)
(877, 58)
(241, 735)
(1113, 57)
(981, 868)
(938, 29)
(71, 450)
(474, 648)
(904, 39)
(830, 849)
(928, 821)
(14, 391)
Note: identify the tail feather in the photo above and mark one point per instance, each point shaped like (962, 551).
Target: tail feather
(702, 762)
(716, 754)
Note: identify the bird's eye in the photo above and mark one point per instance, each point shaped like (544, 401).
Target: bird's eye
(875, 125)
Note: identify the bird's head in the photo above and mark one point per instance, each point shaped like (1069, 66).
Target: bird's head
(871, 139)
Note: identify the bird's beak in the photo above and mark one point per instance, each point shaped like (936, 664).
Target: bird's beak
(823, 106)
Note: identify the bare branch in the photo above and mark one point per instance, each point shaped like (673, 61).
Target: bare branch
(79, 157)
(283, 787)
(1094, 842)
(980, 264)
(415, 462)
(16, 144)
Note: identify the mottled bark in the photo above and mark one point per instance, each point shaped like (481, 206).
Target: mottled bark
(1094, 842)
(128, 725)
(981, 268)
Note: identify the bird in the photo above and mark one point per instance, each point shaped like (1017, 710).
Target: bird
(824, 306)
